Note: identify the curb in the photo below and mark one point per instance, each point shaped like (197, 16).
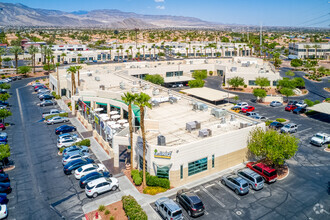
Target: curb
(286, 175)
(325, 149)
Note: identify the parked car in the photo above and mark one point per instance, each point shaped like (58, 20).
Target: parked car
(5, 187)
(290, 108)
(299, 110)
(301, 104)
(293, 102)
(52, 112)
(3, 200)
(236, 109)
(43, 91)
(89, 168)
(19, 77)
(289, 128)
(74, 150)
(3, 91)
(4, 177)
(57, 119)
(276, 125)
(36, 88)
(236, 183)
(247, 109)
(71, 157)
(269, 174)
(168, 209)
(101, 185)
(92, 176)
(64, 129)
(3, 137)
(67, 142)
(3, 103)
(37, 84)
(320, 139)
(252, 114)
(46, 97)
(67, 135)
(2, 127)
(3, 211)
(190, 202)
(241, 104)
(254, 180)
(275, 103)
(47, 103)
(75, 164)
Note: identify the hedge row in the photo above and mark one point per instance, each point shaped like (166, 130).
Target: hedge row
(85, 142)
(153, 190)
(280, 120)
(61, 115)
(151, 180)
(56, 96)
(133, 209)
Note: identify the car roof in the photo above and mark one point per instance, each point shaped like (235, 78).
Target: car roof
(250, 172)
(97, 181)
(265, 167)
(88, 166)
(169, 203)
(193, 197)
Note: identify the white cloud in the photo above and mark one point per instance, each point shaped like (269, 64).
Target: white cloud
(160, 7)
(159, 0)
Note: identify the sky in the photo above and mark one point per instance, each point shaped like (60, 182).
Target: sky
(300, 13)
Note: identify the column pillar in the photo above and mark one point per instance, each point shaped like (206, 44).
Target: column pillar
(108, 108)
(115, 148)
(73, 105)
(121, 113)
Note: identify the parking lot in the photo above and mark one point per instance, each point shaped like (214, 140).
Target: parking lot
(40, 188)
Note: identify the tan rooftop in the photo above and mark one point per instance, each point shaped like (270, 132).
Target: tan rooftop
(208, 94)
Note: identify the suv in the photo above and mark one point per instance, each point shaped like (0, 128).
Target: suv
(289, 128)
(238, 184)
(101, 185)
(299, 110)
(168, 209)
(301, 104)
(276, 125)
(290, 108)
(190, 202)
(275, 103)
(254, 180)
(269, 174)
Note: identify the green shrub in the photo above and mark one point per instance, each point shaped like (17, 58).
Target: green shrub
(133, 172)
(268, 122)
(133, 209)
(62, 149)
(329, 146)
(311, 112)
(165, 183)
(69, 104)
(107, 212)
(280, 120)
(245, 86)
(56, 96)
(101, 208)
(37, 81)
(316, 102)
(309, 102)
(327, 99)
(112, 217)
(151, 190)
(85, 142)
(61, 115)
(137, 180)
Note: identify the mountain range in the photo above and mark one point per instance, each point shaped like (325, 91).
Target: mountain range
(22, 15)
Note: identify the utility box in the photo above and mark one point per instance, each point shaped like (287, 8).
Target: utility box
(190, 126)
(161, 141)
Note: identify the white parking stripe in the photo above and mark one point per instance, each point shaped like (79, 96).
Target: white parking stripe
(196, 190)
(230, 192)
(214, 198)
(209, 185)
(307, 129)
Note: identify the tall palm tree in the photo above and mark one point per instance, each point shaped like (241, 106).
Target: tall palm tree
(16, 50)
(131, 48)
(316, 47)
(154, 46)
(2, 52)
(149, 49)
(78, 68)
(110, 49)
(127, 52)
(121, 48)
(63, 55)
(32, 51)
(129, 99)
(72, 70)
(142, 100)
(143, 48)
(307, 50)
(58, 78)
(48, 53)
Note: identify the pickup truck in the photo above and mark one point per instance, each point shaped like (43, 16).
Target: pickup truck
(52, 112)
(320, 139)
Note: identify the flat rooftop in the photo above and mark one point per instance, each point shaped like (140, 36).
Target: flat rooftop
(208, 94)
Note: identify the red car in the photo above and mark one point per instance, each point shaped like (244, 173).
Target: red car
(248, 109)
(268, 173)
(2, 126)
(290, 108)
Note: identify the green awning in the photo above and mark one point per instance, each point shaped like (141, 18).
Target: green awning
(135, 108)
(100, 103)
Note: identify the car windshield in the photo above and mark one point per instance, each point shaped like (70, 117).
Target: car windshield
(177, 213)
(80, 169)
(318, 136)
(198, 205)
(287, 126)
(259, 179)
(245, 185)
(89, 187)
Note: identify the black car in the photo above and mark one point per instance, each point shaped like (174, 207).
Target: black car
(47, 97)
(292, 102)
(19, 77)
(299, 110)
(276, 125)
(5, 187)
(73, 165)
(191, 203)
(3, 91)
(92, 176)
(4, 177)
(4, 103)
(47, 103)
(64, 129)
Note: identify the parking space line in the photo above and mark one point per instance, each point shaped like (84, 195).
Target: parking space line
(209, 185)
(229, 191)
(307, 129)
(197, 190)
(212, 196)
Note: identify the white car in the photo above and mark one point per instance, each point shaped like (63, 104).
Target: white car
(57, 119)
(3, 211)
(67, 142)
(242, 104)
(66, 136)
(301, 104)
(101, 185)
(88, 168)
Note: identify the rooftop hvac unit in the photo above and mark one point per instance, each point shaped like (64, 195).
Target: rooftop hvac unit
(205, 133)
(102, 87)
(161, 141)
(134, 82)
(232, 118)
(193, 125)
(223, 120)
(218, 113)
(97, 78)
(173, 99)
(155, 92)
(134, 90)
(243, 124)
(89, 74)
(200, 106)
(154, 103)
(233, 69)
(147, 86)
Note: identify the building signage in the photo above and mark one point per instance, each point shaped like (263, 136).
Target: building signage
(96, 119)
(162, 154)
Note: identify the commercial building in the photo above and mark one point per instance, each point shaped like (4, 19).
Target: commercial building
(186, 138)
(310, 50)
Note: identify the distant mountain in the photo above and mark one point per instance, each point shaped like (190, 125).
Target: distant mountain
(21, 15)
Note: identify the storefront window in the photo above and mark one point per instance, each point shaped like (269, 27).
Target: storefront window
(141, 163)
(197, 166)
(252, 82)
(213, 161)
(181, 172)
(163, 171)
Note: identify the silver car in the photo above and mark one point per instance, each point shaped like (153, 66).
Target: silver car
(276, 103)
(67, 135)
(57, 119)
(254, 180)
(289, 128)
(67, 142)
(69, 158)
(236, 183)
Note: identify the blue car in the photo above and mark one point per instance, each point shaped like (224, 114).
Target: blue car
(4, 177)
(73, 165)
(3, 198)
(3, 103)
(5, 187)
(64, 129)
(3, 137)
(75, 150)
(92, 176)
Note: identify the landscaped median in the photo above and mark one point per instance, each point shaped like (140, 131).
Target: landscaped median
(85, 142)
(61, 115)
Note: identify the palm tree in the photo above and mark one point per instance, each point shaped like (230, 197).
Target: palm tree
(79, 58)
(110, 52)
(131, 48)
(48, 53)
(307, 49)
(78, 68)
(72, 70)
(149, 49)
(32, 51)
(142, 100)
(129, 98)
(154, 46)
(2, 52)
(58, 78)
(143, 48)
(121, 48)
(316, 46)
(127, 52)
(16, 50)
(194, 49)
(63, 55)
(187, 49)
